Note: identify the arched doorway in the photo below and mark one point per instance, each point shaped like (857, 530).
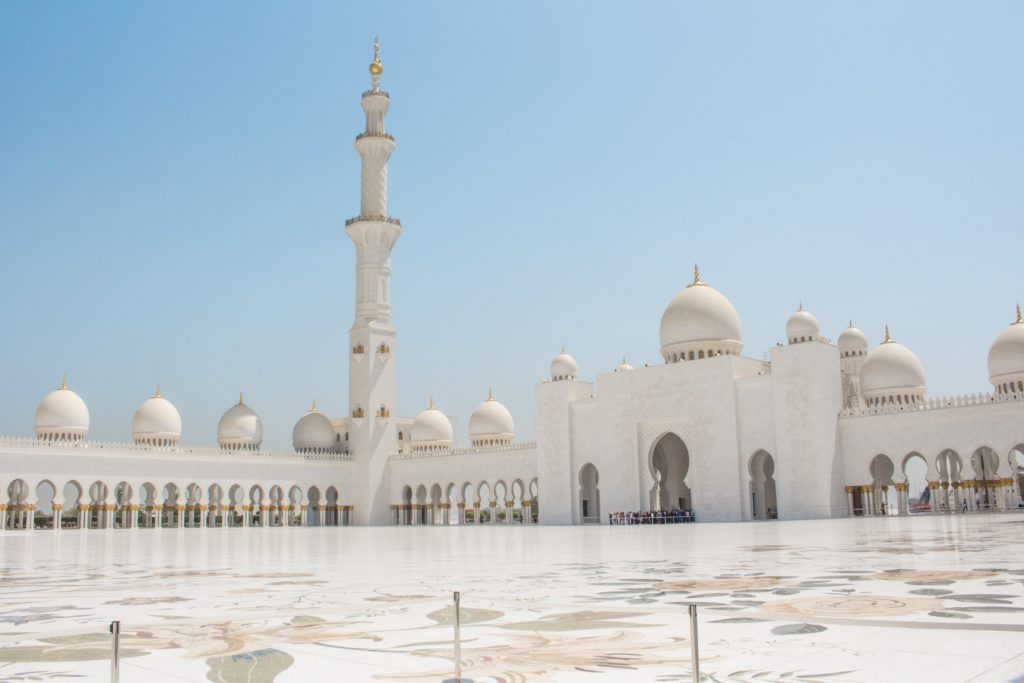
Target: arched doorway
(670, 463)
(948, 466)
(883, 488)
(590, 495)
(985, 464)
(1017, 472)
(919, 496)
(764, 503)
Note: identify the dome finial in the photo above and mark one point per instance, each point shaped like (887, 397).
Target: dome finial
(241, 399)
(430, 404)
(313, 409)
(376, 68)
(64, 384)
(157, 395)
(1019, 318)
(490, 393)
(696, 276)
(801, 306)
(888, 337)
(851, 323)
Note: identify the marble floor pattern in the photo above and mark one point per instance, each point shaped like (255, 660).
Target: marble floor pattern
(924, 598)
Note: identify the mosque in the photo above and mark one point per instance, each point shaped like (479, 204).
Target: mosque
(814, 430)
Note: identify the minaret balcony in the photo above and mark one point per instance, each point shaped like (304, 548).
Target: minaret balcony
(377, 93)
(373, 219)
(371, 134)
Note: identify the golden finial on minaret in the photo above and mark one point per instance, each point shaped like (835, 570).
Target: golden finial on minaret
(157, 392)
(376, 68)
(241, 399)
(64, 384)
(888, 338)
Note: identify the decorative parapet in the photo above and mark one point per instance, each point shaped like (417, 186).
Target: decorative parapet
(374, 219)
(943, 403)
(471, 450)
(113, 447)
(371, 134)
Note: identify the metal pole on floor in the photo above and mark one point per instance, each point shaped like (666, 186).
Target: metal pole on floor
(694, 655)
(458, 644)
(115, 653)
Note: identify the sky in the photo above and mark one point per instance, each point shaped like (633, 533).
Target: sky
(174, 180)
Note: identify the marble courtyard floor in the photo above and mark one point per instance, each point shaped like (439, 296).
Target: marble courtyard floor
(897, 599)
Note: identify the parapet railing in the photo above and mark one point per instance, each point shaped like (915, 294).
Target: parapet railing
(370, 134)
(374, 219)
(470, 450)
(27, 443)
(941, 403)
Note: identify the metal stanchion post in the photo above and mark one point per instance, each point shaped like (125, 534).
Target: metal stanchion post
(115, 654)
(458, 644)
(694, 655)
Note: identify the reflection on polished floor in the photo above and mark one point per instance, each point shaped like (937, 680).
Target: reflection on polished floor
(919, 598)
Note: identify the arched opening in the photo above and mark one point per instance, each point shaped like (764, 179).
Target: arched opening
(147, 505)
(670, 463)
(420, 510)
(763, 498)
(438, 513)
(883, 488)
(919, 496)
(590, 495)
(72, 513)
(97, 518)
(193, 499)
(43, 517)
(1016, 460)
(518, 489)
(948, 496)
(123, 506)
(405, 509)
(985, 464)
(500, 509)
(17, 505)
(482, 503)
(216, 514)
(533, 509)
(313, 509)
(257, 506)
(467, 496)
(333, 515)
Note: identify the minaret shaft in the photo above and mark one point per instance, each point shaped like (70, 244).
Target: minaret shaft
(372, 378)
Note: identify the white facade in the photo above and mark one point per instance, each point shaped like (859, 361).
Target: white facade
(819, 430)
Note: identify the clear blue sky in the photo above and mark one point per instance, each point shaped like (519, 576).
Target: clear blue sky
(174, 179)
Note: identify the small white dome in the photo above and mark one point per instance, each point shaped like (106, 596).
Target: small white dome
(240, 428)
(892, 374)
(1006, 358)
(62, 416)
(431, 430)
(157, 422)
(802, 326)
(491, 423)
(563, 367)
(700, 322)
(852, 342)
(623, 366)
(313, 432)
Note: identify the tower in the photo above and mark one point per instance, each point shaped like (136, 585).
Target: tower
(372, 391)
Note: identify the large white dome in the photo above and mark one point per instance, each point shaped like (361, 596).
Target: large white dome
(491, 423)
(431, 430)
(892, 374)
(802, 326)
(313, 432)
(157, 422)
(1006, 359)
(563, 367)
(700, 322)
(852, 342)
(62, 416)
(240, 428)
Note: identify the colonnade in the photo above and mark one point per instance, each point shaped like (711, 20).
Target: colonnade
(945, 497)
(442, 514)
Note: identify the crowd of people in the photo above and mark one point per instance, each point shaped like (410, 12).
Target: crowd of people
(676, 516)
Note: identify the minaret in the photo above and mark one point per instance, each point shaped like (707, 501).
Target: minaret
(372, 393)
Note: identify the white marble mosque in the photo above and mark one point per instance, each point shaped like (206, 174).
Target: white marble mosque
(814, 429)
